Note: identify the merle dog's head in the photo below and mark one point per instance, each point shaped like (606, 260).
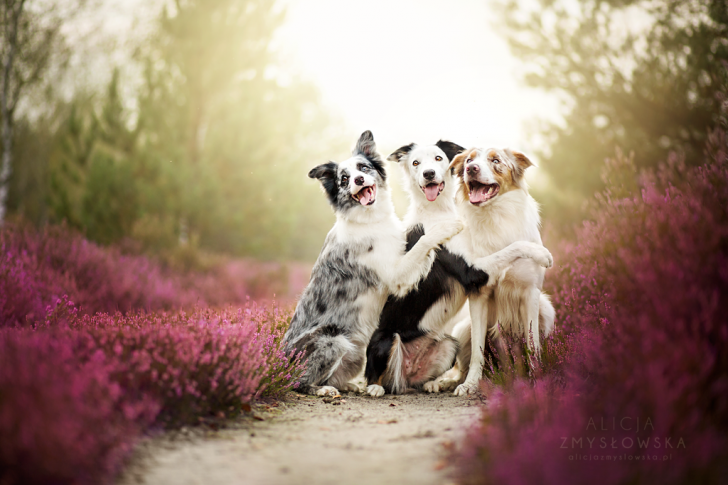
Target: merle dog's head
(354, 183)
(426, 168)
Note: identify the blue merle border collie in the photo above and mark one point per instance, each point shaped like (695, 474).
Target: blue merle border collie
(410, 348)
(362, 262)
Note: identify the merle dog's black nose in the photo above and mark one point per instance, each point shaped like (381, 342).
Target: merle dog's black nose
(359, 180)
(429, 174)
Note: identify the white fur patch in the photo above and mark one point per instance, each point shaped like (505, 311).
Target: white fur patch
(375, 390)
(325, 391)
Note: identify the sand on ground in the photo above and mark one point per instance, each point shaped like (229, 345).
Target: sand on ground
(305, 440)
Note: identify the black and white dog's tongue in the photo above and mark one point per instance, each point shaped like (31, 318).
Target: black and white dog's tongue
(433, 190)
(366, 196)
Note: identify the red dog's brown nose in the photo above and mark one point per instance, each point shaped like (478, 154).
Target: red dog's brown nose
(472, 168)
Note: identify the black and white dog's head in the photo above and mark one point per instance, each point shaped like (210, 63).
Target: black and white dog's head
(356, 183)
(426, 168)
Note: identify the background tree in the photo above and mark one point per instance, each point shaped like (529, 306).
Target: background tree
(639, 75)
(209, 151)
(30, 45)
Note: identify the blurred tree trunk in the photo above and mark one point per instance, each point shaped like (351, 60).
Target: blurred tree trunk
(12, 11)
(30, 44)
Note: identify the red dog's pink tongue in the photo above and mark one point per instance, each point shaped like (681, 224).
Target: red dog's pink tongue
(366, 196)
(478, 195)
(432, 191)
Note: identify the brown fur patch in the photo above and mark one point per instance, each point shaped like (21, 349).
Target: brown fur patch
(458, 169)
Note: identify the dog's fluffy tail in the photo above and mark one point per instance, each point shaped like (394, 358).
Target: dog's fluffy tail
(324, 361)
(394, 377)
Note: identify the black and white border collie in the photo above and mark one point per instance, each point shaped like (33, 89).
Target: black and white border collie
(362, 262)
(410, 349)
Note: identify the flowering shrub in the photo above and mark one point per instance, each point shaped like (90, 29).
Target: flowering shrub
(62, 419)
(641, 302)
(75, 391)
(36, 268)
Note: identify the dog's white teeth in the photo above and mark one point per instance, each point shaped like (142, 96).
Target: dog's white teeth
(490, 190)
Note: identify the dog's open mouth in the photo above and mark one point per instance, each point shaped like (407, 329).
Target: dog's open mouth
(482, 192)
(433, 190)
(366, 195)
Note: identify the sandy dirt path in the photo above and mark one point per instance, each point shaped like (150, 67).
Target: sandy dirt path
(390, 440)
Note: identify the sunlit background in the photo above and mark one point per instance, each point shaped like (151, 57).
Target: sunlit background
(183, 129)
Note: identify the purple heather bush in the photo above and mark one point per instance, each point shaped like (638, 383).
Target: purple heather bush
(634, 387)
(63, 419)
(76, 391)
(38, 267)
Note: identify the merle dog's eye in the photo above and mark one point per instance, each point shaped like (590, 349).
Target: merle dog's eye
(415, 163)
(363, 168)
(344, 180)
(438, 158)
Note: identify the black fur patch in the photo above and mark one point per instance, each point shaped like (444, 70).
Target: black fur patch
(401, 152)
(451, 149)
(366, 147)
(403, 315)
(326, 174)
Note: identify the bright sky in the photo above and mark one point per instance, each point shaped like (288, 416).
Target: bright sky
(414, 70)
(409, 70)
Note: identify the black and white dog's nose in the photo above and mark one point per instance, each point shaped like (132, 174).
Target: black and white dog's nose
(429, 174)
(359, 180)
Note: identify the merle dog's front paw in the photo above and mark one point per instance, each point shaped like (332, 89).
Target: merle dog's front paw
(325, 391)
(352, 387)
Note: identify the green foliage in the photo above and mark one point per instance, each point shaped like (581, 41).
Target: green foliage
(210, 152)
(635, 74)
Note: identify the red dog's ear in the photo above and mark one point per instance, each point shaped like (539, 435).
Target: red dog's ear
(522, 162)
(457, 166)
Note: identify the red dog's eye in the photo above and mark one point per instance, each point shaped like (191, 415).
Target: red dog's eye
(495, 160)
(468, 160)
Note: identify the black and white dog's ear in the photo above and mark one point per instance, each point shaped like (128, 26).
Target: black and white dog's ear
(400, 153)
(323, 171)
(366, 147)
(451, 149)
(326, 174)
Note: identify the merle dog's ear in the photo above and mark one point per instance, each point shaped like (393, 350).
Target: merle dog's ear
(401, 152)
(326, 174)
(324, 171)
(366, 147)
(451, 149)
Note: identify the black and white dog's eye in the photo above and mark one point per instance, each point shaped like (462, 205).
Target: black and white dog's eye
(415, 163)
(438, 158)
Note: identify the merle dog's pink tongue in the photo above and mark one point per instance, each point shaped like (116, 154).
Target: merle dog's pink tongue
(432, 191)
(479, 195)
(366, 196)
